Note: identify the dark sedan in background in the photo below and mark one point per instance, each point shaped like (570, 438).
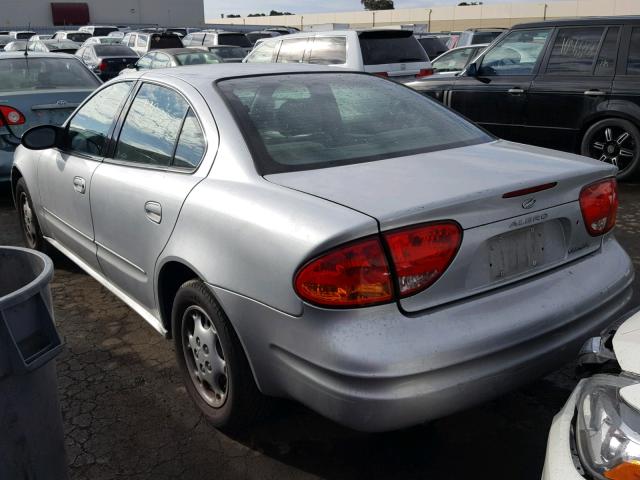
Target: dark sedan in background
(107, 61)
(571, 85)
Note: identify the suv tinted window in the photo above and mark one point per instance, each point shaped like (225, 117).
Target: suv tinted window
(89, 127)
(298, 122)
(633, 63)
(165, 41)
(152, 125)
(574, 51)
(385, 46)
(235, 39)
(191, 145)
(263, 53)
(328, 51)
(292, 50)
(516, 54)
(606, 63)
(103, 31)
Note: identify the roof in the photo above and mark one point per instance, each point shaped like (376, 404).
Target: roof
(176, 51)
(32, 55)
(580, 21)
(204, 75)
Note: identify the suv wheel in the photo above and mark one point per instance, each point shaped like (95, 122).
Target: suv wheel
(614, 141)
(28, 220)
(212, 361)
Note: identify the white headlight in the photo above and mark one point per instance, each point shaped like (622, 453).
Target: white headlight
(607, 429)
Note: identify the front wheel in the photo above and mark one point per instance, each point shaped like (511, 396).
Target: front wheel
(615, 141)
(30, 227)
(215, 369)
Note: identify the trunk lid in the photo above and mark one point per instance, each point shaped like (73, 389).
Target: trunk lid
(117, 64)
(504, 239)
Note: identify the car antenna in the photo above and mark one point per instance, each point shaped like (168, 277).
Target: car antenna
(26, 44)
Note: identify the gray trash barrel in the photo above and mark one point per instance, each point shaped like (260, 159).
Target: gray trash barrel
(31, 431)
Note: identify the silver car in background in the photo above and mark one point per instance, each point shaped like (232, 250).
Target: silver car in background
(327, 236)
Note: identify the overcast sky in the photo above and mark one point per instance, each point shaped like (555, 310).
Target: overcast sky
(213, 8)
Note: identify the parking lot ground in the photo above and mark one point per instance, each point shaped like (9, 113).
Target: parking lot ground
(127, 415)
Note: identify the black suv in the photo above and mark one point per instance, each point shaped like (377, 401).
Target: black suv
(571, 85)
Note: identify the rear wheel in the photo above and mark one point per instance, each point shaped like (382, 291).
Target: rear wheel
(30, 227)
(615, 141)
(213, 364)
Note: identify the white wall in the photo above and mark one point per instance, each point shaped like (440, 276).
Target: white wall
(122, 12)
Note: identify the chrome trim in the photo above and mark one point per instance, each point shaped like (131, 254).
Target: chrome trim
(84, 235)
(128, 262)
(135, 306)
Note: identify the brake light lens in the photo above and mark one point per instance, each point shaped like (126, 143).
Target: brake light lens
(599, 206)
(424, 72)
(421, 254)
(11, 116)
(102, 66)
(353, 275)
(381, 74)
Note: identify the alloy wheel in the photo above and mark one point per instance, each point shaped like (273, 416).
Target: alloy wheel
(28, 223)
(614, 145)
(204, 356)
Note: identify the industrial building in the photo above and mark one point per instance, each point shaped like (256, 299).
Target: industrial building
(450, 18)
(41, 14)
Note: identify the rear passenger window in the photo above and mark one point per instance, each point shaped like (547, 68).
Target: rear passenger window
(142, 40)
(191, 145)
(328, 51)
(574, 51)
(89, 128)
(152, 126)
(292, 50)
(633, 63)
(606, 63)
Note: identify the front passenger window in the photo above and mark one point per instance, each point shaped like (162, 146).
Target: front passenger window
(152, 126)
(89, 128)
(516, 54)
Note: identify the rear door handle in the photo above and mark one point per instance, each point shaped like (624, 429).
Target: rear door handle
(595, 93)
(516, 91)
(153, 210)
(79, 185)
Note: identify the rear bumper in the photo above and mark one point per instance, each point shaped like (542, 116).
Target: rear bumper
(6, 161)
(374, 369)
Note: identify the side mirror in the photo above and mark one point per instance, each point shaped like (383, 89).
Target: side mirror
(472, 70)
(42, 137)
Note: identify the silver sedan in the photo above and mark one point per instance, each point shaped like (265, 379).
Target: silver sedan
(327, 236)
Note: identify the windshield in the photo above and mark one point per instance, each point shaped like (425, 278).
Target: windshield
(391, 47)
(254, 37)
(306, 121)
(25, 35)
(237, 39)
(103, 31)
(196, 58)
(79, 37)
(114, 51)
(484, 37)
(44, 74)
(224, 52)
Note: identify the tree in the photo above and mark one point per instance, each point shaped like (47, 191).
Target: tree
(233, 15)
(468, 4)
(377, 4)
(256, 15)
(275, 13)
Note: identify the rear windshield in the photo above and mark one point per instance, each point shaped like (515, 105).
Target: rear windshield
(237, 39)
(114, 51)
(103, 31)
(79, 37)
(391, 47)
(306, 121)
(484, 37)
(196, 58)
(25, 35)
(237, 52)
(165, 41)
(44, 74)
(254, 37)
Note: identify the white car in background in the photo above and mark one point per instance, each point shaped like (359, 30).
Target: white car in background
(597, 433)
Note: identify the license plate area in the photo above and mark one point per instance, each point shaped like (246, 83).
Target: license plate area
(516, 252)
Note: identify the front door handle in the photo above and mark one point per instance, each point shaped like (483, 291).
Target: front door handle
(153, 210)
(516, 91)
(79, 185)
(595, 93)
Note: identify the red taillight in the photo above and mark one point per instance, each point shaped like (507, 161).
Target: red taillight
(421, 254)
(382, 74)
(102, 66)
(353, 275)
(11, 116)
(599, 205)
(424, 72)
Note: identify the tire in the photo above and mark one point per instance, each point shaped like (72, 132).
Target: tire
(223, 388)
(615, 141)
(31, 232)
